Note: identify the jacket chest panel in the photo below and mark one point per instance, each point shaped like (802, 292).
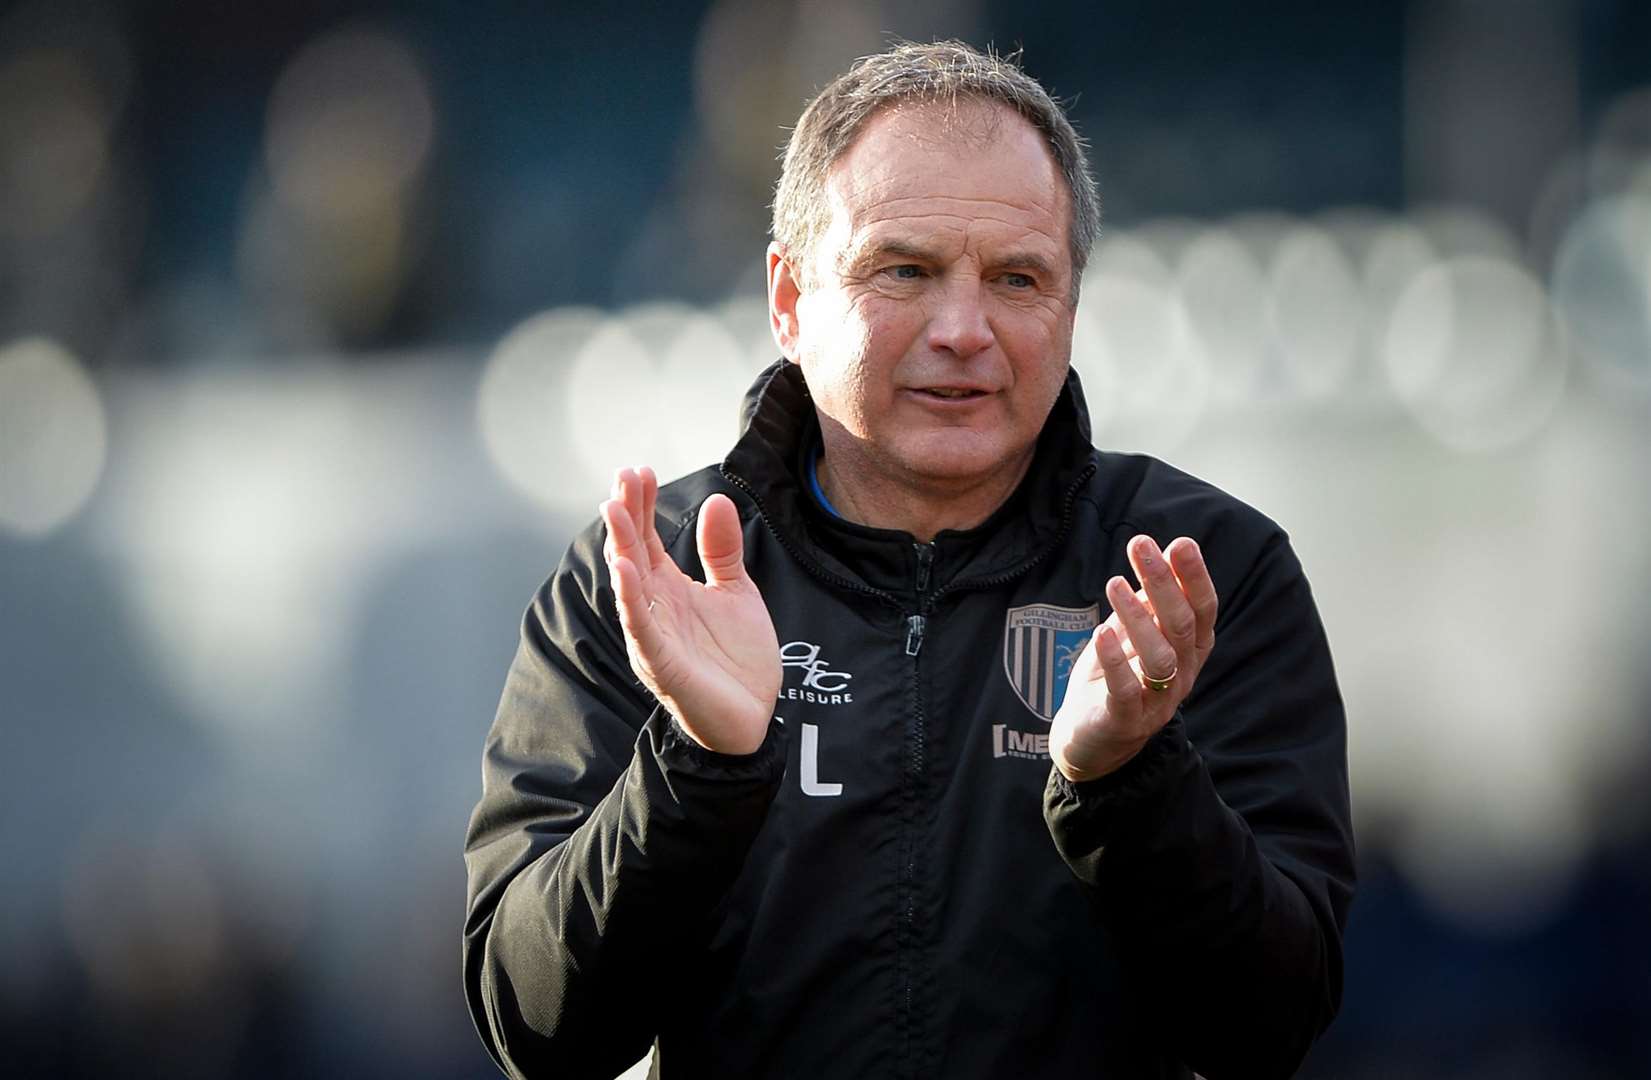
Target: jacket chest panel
(999, 663)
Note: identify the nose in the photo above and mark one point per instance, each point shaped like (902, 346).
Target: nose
(958, 323)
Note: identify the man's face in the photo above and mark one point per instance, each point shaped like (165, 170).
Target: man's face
(934, 321)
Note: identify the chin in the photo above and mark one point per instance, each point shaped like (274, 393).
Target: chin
(954, 460)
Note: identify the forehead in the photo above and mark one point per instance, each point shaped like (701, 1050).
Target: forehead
(933, 163)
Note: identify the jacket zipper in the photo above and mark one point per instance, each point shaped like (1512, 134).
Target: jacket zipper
(1021, 569)
(916, 624)
(916, 627)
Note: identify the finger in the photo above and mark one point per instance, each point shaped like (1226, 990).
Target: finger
(1169, 604)
(650, 533)
(634, 493)
(1187, 560)
(721, 546)
(622, 541)
(1158, 658)
(1117, 625)
(630, 493)
(1121, 684)
(636, 614)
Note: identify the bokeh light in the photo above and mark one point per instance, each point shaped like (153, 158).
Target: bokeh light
(1225, 295)
(757, 61)
(1465, 230)
(657, 384)
(1474, 353)
(1144, 371)
(704, 378)
(660, 385)
(243, 515)
(520, 406)
(616, 396)
(1602, 284)
(1397, 253)
(351, 123)
(53, 436)
(1316, 311)
(350, 130)
(55, 121)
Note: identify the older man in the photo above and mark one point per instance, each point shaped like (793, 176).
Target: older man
(764, 789)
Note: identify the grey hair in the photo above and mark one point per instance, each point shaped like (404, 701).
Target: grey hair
(945, 71)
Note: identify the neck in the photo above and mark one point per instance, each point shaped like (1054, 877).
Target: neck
(921, 506)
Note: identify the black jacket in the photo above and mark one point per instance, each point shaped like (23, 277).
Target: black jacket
(874, 892)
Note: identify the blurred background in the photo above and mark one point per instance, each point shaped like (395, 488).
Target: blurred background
(323, 325)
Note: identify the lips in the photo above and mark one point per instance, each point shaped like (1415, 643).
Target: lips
(951, 393)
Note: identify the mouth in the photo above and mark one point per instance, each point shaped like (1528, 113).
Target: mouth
(950, 393)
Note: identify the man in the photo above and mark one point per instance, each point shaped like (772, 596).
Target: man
(764, 785)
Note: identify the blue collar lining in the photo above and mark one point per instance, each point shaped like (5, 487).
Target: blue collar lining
(814, 479)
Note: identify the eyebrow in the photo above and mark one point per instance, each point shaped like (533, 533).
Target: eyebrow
(876, 250)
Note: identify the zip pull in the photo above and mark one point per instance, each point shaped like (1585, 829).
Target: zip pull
(914, 634)
(925, 563)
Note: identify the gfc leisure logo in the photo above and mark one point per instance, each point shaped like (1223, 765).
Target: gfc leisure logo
(820, 684)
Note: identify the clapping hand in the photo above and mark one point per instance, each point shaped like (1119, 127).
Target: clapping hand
(1140, 664)
(706, 651)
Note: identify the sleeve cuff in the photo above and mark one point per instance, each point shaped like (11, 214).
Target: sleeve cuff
(677, 749)
(1134, 780)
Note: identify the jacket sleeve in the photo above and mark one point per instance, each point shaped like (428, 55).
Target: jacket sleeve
(1220, 857)
(603, 838)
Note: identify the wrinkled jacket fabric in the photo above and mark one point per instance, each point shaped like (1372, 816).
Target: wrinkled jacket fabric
(897, 883)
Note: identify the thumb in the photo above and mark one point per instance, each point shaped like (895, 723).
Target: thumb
(721, 546)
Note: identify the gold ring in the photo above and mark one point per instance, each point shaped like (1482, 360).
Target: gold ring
(1158, 685)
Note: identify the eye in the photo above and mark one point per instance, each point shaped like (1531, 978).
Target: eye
(904, 272)
(1019, 281)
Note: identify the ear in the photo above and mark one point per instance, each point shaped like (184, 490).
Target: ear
(784, 290)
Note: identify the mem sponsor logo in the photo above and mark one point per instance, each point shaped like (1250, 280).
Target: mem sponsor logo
(1012, 742)
(820, 685)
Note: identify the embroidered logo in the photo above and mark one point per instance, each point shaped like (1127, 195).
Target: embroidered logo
(1040, 642)
(820, 684)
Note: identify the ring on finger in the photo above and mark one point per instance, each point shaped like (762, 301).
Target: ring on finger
(1159, 685)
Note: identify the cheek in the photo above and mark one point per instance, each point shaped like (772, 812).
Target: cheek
(834, 359)
(1040, 358)
(858, 382)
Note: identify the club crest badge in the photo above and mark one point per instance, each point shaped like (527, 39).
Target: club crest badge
(1040, 642)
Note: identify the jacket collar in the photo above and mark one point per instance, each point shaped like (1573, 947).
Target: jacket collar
(780, 425)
